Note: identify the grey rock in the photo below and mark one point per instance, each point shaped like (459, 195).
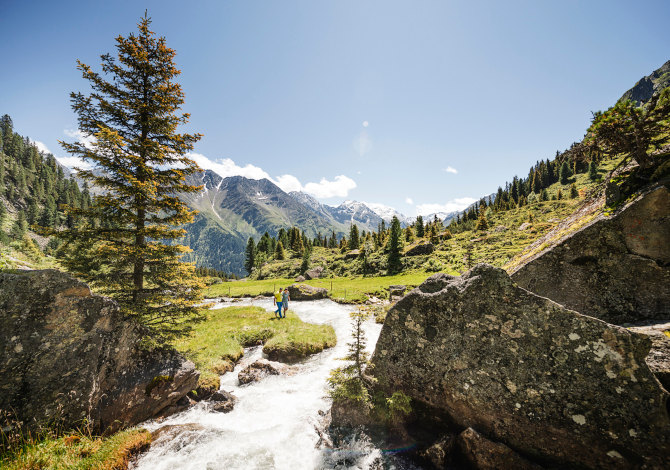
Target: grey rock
(615, 268)
(222, 401)
(440, 454)
(423, 248)
(397, 290)
(260, 369)
(314, 273)
(484, 454)
(306, 292)
(300, 279)
(525, 371)
(67, 356)
(350, 413)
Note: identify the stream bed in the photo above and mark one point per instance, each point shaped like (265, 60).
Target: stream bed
(275, 423)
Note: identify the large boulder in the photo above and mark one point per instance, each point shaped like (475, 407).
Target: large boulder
(616, 268)
(314, 273)
(306, 292)
(422, 248)
(483, 454)
(67, 356)
(544, 380)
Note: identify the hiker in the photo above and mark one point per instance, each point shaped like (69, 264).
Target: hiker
(284, 300)
(277, 302)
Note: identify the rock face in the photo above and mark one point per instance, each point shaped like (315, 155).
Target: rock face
(544, 380)
(67, 355)
(615, 268)
(483, 454)
(306, 292)
(423, 248)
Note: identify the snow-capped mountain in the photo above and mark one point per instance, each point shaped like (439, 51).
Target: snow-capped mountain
(387, 213)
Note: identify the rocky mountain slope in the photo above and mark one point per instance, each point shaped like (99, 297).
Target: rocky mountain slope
(647, 86)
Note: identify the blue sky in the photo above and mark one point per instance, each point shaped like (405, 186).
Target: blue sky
(365, 100)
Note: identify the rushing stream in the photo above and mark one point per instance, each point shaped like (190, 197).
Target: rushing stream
(274, 423)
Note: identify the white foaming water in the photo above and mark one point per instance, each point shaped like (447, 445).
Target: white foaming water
(274, 422)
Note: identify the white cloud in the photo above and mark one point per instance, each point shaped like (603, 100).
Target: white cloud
(362, 143)
(85, 139)
(288, 183)
(225, 167)
(366, 123)
(457, 204)
(74, 162)
(409, 200)
(41, 147)
(339, 187)
(451, 169)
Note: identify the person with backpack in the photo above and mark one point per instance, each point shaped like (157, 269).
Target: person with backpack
(284, 300)
(277, 301)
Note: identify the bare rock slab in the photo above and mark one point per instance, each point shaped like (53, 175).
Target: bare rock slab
(67, 356)
(615, 268)
(484, 454)
(544, 380)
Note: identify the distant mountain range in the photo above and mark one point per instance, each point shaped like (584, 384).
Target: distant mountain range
(232, 209)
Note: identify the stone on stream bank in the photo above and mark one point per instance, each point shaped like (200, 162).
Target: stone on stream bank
(616, 268)
(67, 356)
(546, 381)
(260, 369)
(306, 292)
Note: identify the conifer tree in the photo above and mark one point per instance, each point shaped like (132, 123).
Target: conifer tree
(350, 382)
(305, 259)
(393, 260)
(250, 255)
(573, 191)
(593, 171)
(482, 223)
(564, 174)
(139, 161)
(419, 227)
(354, 241)
(279, 251)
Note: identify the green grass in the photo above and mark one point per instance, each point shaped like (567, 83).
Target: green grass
(77, 452)
(219, 341)
(342, 289)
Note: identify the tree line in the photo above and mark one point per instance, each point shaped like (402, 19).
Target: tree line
(34, 185)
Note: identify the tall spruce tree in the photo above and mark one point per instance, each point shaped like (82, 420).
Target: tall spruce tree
(250, 255)
(565, 173)
(393, 260)
(419, 226)
(138, 159)
(354, 240)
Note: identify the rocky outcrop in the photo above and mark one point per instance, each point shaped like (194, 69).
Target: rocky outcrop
(353, 254)
(483, 454)
(546, 381)
(616, 268)
(314, 273)
(658, 358)
(67, 356)
(422, 248)
(306, 292)
(260, 369)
